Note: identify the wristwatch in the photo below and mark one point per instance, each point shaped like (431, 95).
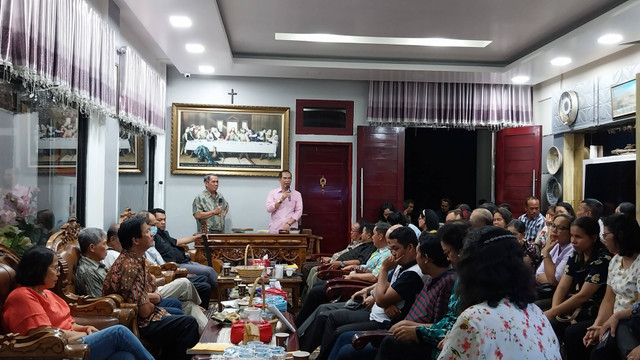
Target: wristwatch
(342, 264)
(635, 310)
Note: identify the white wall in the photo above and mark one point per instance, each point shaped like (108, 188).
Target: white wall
(246, 195)
(542, 92)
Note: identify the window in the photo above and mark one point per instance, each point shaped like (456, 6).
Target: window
(38, 157)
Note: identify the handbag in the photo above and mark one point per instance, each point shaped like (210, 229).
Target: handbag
(242, 330)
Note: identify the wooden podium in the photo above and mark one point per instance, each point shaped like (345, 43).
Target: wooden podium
(293, 248)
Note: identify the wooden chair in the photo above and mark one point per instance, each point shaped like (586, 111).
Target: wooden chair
(43, 344)
(338, 290)
(375, 337)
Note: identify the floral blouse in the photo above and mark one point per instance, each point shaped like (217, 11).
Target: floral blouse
(624, 282)
(504, 332)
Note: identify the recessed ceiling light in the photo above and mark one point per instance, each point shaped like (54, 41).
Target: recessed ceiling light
(180, 21)
(521, 79)
(375, 40)
(561, 61)
(194, 48)
(206, 69)
(610, 39)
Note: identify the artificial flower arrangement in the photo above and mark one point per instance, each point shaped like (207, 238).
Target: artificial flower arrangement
(17, 214)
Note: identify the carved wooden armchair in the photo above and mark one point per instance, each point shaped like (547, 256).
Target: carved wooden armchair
(43, 344)
(338, 290)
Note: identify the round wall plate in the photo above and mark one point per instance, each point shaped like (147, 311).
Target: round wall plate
(568, 107)
(554, 191)
(554, 160)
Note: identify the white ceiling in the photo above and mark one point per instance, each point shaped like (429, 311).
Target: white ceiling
(238, 36)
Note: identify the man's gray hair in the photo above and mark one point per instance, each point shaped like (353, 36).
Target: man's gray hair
(382, 227)
(484, 214)
(208, 176)
(89, 236)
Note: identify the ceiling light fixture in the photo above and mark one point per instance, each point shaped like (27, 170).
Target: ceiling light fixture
(375, 40)
(206, 69)
(610, 39)
(179, 21)
(194, 48)
(561, 61)
(520, 79)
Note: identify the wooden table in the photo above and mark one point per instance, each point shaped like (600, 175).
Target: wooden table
(293, 248)
(288, 283)
(212, 330)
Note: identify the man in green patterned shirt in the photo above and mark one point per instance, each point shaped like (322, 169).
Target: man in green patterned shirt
(211, 206)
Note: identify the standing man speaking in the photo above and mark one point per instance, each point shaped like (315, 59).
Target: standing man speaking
(210, 205)
(284, 204)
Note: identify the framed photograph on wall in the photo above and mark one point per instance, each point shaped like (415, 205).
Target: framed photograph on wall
(229, 140)
(130, 152)
(623, 99)
(53, 140)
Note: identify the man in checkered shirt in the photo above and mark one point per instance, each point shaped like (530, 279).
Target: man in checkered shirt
(532, 219)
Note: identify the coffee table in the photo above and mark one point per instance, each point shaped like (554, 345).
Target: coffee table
(213, 330)
(291, 283)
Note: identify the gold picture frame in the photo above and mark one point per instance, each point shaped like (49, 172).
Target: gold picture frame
(623, 99)
(229, 140)
(130, 152)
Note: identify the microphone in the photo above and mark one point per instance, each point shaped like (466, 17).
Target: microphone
(289, 189)
(219, 202)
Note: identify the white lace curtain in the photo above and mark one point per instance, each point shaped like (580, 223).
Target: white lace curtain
(456, 105)
(61, 45)
(142, 93)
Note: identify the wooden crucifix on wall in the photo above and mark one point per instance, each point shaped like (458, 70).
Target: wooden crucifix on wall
(232, 93)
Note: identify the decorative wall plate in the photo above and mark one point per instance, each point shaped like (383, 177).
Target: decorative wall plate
(554, 191)
(568, 107)
(554, 160)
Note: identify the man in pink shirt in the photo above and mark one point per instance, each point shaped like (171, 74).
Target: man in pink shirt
(284, 204)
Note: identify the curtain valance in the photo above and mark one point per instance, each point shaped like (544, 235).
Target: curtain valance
(142, 93)
(456, 105)
(61, 45)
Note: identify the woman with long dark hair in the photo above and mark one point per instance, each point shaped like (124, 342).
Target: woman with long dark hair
(496, 288)
(621, 233)
(583, 284)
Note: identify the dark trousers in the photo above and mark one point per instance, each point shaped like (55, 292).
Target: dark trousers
(201, 283)
(344, 320)
(394, 349)
(171, 305)
(174, 334)
(315, 298)
(573, 345)
(627, 338)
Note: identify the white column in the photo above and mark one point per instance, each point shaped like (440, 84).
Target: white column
(102, 172)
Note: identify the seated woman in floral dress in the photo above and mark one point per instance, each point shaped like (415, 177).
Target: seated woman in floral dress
(499, 319)
(32, 306)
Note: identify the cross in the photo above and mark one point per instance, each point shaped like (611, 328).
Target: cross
(232, 93)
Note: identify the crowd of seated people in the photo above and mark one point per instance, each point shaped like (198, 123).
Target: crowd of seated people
(534, 287)
(481, 285)
(170, 319)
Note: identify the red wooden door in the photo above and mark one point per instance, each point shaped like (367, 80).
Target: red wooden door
(380, 169)
(518, 166)
(328, 212)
